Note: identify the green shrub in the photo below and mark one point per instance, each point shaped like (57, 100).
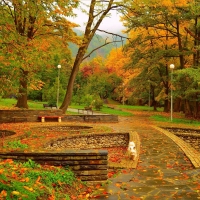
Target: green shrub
(97, 103)
(16, 144)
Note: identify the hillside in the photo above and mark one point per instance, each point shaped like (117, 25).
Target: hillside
(97, 41)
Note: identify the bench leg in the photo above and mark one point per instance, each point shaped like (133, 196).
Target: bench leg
(59, 119)
(42, 119)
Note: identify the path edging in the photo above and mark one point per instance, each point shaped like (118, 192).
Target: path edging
(190, 152)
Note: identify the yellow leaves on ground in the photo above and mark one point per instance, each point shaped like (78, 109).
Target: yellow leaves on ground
(25, 179)
(28, 188)
(16, 193)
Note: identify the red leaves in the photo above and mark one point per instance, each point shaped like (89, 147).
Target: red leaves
(111, 173)
(116, 154)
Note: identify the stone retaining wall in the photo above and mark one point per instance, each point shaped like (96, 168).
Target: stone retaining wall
(7, 116)
(88, 165)
(90, 141)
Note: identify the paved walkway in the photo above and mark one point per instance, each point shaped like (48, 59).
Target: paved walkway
(163, 171)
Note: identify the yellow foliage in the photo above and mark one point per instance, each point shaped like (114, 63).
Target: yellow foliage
(28, 188)
(16, 193)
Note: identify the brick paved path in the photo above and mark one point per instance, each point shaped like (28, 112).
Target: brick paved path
(163, 171)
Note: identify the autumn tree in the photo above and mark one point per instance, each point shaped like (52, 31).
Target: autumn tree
(158, 39)
(116, 62)
(98, 10)
(96, 80)
(32, 32)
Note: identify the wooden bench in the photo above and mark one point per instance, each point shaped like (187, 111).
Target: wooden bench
(87, 110)
(49, 117)
(49, 106)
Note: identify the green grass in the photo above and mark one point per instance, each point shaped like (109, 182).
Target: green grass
(106, 110)
(116, 111)
(175, 120)
(8, 102)
(139, 108)
(11, 102)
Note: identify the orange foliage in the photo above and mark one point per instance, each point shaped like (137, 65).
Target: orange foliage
(116, 63)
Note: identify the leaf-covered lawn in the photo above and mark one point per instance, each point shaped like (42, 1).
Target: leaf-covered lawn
(32, 181)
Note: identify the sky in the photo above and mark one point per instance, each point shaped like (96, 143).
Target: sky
(109, 24)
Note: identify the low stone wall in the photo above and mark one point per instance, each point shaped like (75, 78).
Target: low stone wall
(9, 116)
(91, 118)
(88, 165)
(90, 141)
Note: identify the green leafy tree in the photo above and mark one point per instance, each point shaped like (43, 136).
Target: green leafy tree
(32, 32)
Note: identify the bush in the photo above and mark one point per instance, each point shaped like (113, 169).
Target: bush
(87, 101)
(97, 103)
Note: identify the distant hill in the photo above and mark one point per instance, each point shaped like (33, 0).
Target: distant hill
(97, 41)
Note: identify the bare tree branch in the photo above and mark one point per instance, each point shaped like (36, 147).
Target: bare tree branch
(106, 43)
(192, 34)
(114, 34)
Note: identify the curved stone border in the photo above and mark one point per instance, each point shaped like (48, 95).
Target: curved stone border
(6, 133)
(189, 151)
(62, 128)
(89, 141)
(126, 162)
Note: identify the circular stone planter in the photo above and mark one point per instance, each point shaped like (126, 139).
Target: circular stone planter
(63, 128)
(6, 133)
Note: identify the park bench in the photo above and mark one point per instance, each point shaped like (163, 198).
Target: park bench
(49, 106)
(42, 118)
(87, 109)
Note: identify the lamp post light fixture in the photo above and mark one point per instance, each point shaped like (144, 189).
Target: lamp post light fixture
(59, 67)
(172, 68)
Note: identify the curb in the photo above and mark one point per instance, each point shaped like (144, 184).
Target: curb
(190, 152)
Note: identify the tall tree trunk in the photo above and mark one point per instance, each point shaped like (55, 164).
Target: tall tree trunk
(188, 112)
(196, 54)
(22, 96)
(177, 105)
(181, 57)
(166, 86)
(154, 102)
(90, 30)
(75, 69)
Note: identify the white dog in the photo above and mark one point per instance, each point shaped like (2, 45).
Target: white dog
(132, 150)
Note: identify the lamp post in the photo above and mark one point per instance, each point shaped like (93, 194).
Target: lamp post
(172, 67)
(123, 95)
(149, 94)
(59, 66)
